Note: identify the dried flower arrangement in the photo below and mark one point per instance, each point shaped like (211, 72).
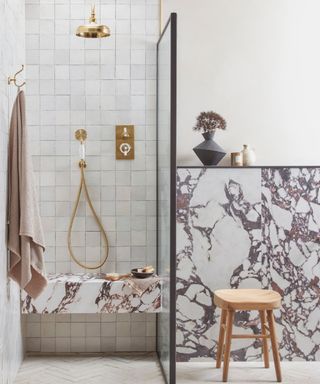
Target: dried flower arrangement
(209, 122)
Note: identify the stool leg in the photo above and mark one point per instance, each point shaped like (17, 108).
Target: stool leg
(221, 337)
(274, 344)
(226, 358)
(265, 350)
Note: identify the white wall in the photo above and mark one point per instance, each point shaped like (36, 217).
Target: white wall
(257, 64)
(12, 55)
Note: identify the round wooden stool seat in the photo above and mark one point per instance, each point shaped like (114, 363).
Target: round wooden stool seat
(247, 299)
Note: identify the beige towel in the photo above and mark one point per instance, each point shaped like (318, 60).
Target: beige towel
(25, 235)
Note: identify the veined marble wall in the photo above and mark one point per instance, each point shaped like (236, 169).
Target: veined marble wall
(12, 55)
(246, 228)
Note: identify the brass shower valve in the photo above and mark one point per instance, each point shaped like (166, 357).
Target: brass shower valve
(124, 142)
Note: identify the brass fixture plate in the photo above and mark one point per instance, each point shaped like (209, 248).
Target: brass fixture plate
(122, 139)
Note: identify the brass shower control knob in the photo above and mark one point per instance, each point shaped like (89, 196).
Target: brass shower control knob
(124, 142)
(125, 148)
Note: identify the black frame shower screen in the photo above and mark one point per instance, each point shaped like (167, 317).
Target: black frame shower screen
(166, 195)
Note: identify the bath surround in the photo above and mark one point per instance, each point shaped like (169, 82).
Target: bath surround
(248, 228)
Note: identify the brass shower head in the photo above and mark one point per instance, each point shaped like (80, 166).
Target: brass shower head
(93, 30)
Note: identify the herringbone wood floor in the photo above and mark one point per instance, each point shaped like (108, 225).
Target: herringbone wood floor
(118, 369)
(248, 373)
(144, 368)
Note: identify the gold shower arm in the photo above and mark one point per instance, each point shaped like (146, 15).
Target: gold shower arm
(92, 18)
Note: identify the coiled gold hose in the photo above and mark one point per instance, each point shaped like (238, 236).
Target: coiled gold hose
(83, 186)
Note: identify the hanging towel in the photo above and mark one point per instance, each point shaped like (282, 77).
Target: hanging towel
(25, 235)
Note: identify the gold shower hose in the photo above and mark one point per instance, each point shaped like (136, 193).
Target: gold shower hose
(83, 185)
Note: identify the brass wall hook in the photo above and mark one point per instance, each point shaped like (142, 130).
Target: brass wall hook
(14, 78)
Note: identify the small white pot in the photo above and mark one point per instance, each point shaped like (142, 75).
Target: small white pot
(248, 156)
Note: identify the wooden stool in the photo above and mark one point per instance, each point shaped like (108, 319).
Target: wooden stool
(264, 301)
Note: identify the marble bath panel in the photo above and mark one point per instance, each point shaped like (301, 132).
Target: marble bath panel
(291, 235)
(248, 228)
(89, 293)
(218, 231)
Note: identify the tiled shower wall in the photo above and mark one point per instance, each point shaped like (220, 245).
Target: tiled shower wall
(94, 84)
(12, 55)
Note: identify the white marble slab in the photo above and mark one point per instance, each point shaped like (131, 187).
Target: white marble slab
(248, 228)
(89, 293)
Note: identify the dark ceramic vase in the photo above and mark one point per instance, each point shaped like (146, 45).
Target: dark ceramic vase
(209, 152)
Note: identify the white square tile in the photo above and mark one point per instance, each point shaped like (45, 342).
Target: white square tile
(63, 345)
(63, 330)
(108, 329)
(123, 344)
(138, 27)
(62, 11)
(46, 27)
(46, 41)
(78, 329)
(46, 56)
(108, 344)
(122, 71)
(93, 344)
(46, 11)
(123, 11)
(33, 344)
(92, 56)
(108, 11)
(61, 27)
(123, 26)
(138, 71)
(138, 329)
(77, 57)
(62, 72)
(48, 330)
(32, 11)
(124, 41)
(33, 330)
(78, 344)
(138, 238)
(62, 56)
(138, 344)
(76, 71)
(32, 42)
(138, 12)
(78, 12)
(48, 344)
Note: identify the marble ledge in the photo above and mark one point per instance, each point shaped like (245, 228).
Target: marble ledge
(90, 293)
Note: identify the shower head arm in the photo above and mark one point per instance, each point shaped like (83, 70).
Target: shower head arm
(92, 18)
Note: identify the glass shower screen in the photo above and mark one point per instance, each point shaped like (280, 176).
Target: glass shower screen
(166, 194)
